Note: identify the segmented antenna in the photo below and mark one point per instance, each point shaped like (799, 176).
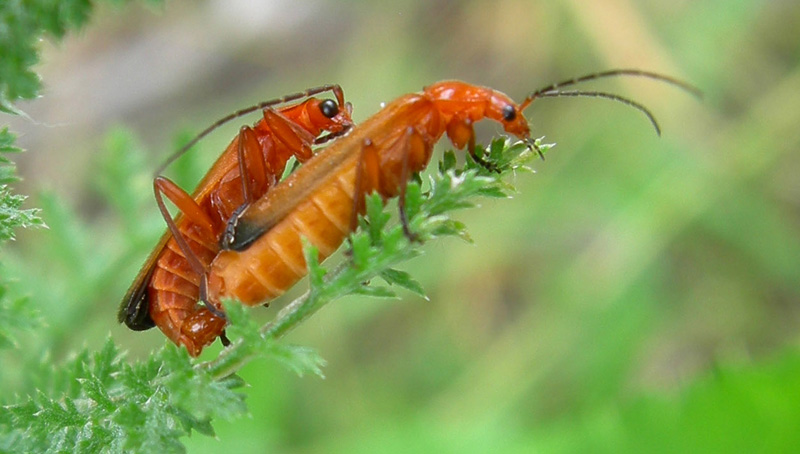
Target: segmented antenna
(615, 73)
(553, 90)
(336, 89)
(611, 96)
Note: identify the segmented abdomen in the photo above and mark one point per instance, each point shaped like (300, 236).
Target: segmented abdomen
(174, 290)
(275, 262)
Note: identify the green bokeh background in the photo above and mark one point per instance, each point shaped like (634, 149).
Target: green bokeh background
(639, 293)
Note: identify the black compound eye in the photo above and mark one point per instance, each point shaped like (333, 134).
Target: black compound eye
(329, 108)
(509, 113)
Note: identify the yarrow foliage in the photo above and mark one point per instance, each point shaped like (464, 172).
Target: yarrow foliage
(97, 402)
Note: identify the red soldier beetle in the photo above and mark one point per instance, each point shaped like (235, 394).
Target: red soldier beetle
(172, 281)
(263, 255)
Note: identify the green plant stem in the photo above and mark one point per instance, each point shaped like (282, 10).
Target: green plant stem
(236, 355)
(298, 310)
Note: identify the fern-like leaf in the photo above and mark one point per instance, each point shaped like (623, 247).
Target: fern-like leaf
(97, 402)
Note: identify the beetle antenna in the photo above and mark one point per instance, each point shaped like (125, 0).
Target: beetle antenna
(540, 93)
(600, 94)
(336, 89)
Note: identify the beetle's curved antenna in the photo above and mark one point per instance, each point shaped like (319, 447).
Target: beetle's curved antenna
(334, 88)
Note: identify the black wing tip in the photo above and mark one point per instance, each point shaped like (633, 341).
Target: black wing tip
(135, 318)
(134, 311)
(239, 234)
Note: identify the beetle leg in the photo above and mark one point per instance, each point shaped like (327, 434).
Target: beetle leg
(223, 337)
(204, 297)
(184, 202)
(252, 166)
(490, 166)
(413, 143)
(461, 133)
(289, 134)
(383, 178)
(192, 211)
(367, 175)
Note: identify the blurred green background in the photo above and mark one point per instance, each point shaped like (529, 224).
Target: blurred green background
(638, 293)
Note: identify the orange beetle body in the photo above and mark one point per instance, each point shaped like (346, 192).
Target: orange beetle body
(260, 252)
(319, 199)
(263, 248)
(167, 289)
